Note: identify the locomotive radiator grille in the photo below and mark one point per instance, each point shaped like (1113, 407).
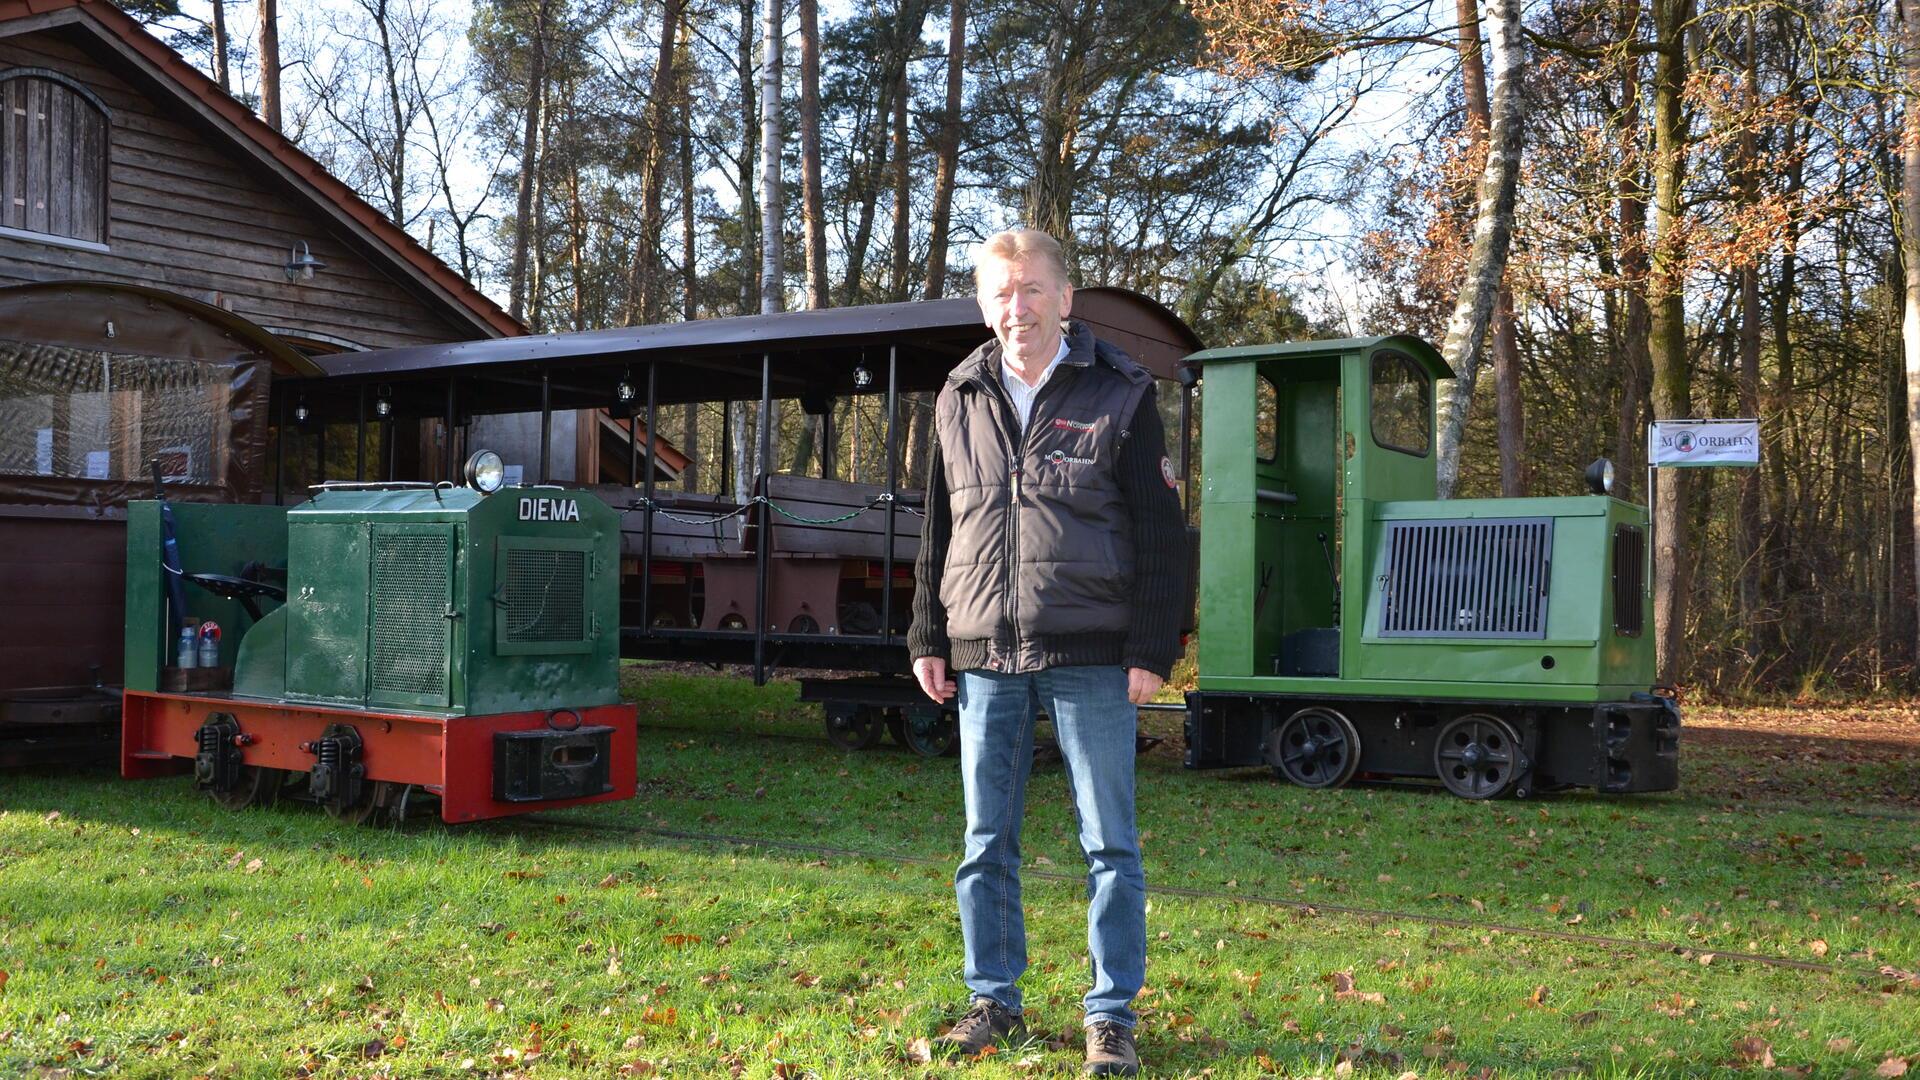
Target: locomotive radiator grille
(545, 593)
(411, 589)
(1629, 580)
(1466, 579)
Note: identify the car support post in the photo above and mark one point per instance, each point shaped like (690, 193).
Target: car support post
(646, 519)
(893, 495)
(764, 540)
(360, 433)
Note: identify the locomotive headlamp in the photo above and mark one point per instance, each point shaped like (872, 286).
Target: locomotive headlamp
(1600, 477)
(862, 377)
(485, 471)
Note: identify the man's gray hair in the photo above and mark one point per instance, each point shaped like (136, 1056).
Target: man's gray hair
(1018, 246)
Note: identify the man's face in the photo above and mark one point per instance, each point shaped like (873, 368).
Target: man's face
(1024, 302)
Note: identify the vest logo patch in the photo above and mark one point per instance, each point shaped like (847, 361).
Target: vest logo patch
(1166, 472)
(1061, 457)
(1073, 425)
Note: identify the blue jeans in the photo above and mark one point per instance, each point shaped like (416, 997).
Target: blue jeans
(1095, 725)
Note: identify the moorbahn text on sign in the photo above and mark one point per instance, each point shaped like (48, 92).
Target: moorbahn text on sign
(1679, 444)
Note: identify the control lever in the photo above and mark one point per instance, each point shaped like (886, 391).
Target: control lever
(1332, 574)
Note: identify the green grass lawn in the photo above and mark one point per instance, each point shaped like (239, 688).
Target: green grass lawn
(144, 932)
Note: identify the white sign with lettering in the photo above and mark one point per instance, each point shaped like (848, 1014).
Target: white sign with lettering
(1684, 444)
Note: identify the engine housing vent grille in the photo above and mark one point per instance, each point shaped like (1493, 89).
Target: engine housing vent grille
(545, 593)
(1482, 578)
(411, 589)
(1629, 580)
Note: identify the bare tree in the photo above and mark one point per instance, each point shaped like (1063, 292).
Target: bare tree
(1492, 231)
(772, 293)
(646, 254)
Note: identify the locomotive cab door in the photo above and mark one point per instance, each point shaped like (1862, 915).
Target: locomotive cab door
(1297, 506)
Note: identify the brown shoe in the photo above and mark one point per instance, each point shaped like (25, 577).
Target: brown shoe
(986, 1021)
(1110, 1050)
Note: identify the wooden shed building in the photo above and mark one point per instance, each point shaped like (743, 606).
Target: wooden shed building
(164, 256)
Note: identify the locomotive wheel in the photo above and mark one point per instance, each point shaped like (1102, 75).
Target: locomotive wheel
(1315, 748)
(853, 727)
(375, 798)
(257, 787)
(925, 732)
(1475, 756)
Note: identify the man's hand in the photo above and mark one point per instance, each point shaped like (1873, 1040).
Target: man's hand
(932, 673)
(1141, 684)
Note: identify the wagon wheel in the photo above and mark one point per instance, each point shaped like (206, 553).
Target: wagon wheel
(853, 727)
(375, 798)
(664, 620)
(258, 786)
(927, 732)
(1476, 756)
(803, 624)
(1315, 747)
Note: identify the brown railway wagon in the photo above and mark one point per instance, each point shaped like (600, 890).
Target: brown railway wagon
(830, 586)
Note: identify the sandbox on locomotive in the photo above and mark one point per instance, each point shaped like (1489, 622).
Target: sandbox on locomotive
(1352, 624)
(418, 642)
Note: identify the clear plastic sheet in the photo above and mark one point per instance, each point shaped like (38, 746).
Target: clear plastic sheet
(80, 426)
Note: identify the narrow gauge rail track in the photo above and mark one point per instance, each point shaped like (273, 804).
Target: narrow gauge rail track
(1670, 799)
(1599, 940)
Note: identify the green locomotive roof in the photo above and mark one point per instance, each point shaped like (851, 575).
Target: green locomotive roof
(1413, 346)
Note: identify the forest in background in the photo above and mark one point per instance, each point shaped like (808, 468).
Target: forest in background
(1699, 217)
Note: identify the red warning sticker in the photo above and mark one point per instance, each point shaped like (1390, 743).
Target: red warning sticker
(1166, 472)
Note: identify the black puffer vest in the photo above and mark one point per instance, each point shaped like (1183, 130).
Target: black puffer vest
(1041, 556)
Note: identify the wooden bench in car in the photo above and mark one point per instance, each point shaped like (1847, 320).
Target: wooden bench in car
(689, 530)
(826, 561)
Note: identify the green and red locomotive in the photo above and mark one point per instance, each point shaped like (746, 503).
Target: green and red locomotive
(418, 641)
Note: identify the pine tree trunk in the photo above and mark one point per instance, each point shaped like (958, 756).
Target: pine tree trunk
(813, 210)
(947, 167)
(1747, 538)
(1050, 196)
(1492, 231)
(1910, 244)
(1667, 339)
(1636, 364)
(646, 253)
(270, 63)
(221, 71)
(529, 149)
(902, 160)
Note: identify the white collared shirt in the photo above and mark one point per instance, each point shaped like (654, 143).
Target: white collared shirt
(1020, 393)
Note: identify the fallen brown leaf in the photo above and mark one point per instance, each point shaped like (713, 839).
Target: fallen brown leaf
(1893, 1066)
(1754, 1050)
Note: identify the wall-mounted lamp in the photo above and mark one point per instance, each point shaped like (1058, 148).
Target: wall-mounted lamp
(301, 264)
(862, 377)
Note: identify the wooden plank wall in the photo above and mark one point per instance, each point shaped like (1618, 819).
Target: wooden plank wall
(188, 215)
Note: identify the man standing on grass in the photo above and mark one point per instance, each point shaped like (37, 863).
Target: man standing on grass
(1051, 576)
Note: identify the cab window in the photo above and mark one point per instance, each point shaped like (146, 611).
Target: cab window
(1266, 420)
(1401, 404)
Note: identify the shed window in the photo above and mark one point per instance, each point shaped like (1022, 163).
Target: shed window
(1402, 404)
(53, 158)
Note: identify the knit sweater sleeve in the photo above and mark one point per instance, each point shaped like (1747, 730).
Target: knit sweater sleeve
(1160, 554)
(928, 634)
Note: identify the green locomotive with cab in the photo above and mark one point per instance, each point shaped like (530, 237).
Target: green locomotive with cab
(1351, 624)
